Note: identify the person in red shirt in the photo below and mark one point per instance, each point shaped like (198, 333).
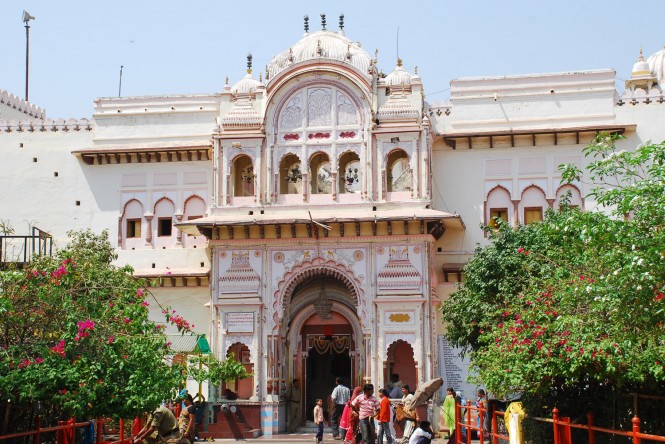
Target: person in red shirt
(384, 417)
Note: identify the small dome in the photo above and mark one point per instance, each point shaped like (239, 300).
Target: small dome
(641, 68)
(399, 76)
(657, 65)
(248, 85)
(322, 45)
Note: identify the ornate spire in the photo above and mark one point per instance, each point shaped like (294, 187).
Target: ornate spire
(641, 57)
(323, 21)
(399, 62)
(226, 82)
(341, 22)
(267, 73)
(249, 63)
(415, 70)
(260, 77)
(306, 24)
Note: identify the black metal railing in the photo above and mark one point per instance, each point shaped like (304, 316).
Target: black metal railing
(20, 250)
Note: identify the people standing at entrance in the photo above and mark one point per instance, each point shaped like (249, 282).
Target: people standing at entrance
(319, 419)
(367, 406)
(187, 418)
(293, 395)
(352, 430)
(411, 417)
(340, 396)
(384, 417)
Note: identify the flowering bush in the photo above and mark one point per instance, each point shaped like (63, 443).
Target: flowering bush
(574, 303)
(77, 339)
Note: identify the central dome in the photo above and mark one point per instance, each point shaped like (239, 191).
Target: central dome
(322, 45)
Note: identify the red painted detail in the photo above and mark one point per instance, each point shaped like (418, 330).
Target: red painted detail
(347, 134)
(319, 136)
(291, 136)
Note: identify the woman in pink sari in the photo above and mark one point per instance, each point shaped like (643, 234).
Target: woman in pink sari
(350, 419)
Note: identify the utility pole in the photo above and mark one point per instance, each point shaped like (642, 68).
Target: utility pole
(26, 19)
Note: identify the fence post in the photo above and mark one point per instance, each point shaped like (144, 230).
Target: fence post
(481, 423)
(555, 422)
(37, 427)
(122, 431)
(459, 421)
(99, 431)
(592, 433)
(636, 430)
(495, 429)
(468, 422)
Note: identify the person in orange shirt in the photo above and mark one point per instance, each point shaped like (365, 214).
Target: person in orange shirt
(384, 417)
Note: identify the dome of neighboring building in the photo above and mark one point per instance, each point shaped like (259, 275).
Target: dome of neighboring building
(398, 76)
(656, 64)
(322, 45)
(641, 68)
(248, 85)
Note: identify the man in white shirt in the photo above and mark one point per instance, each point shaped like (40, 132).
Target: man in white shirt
(423, 434)
(340, 396)
(409, 424)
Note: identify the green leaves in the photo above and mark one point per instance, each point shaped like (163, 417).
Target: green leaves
(586, 303)
(77, 338)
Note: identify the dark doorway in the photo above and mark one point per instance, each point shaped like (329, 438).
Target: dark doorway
(322, 369)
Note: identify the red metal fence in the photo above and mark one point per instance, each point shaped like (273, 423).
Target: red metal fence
(561, 428)
(66, 432)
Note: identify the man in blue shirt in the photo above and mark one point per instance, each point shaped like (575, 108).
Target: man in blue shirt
(340, 396)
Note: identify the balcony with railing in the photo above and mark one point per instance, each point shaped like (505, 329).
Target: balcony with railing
(20, 249)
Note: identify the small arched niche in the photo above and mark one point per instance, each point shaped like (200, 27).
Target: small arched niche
(350, 173)
(240, 388)
(321, 177)
(290, 175)
(243, 176)
(399, 174)
(401, 362)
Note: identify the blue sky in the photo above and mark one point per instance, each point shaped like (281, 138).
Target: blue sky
(169, 47)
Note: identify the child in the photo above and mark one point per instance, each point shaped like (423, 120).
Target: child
(384, 417)
(318, 419)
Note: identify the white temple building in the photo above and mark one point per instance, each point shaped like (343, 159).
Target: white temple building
(310, 219)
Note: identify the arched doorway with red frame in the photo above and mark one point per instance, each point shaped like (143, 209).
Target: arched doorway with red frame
(328, 343)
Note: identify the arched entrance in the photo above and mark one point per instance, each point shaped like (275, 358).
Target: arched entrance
(323, 332)
(328, 344)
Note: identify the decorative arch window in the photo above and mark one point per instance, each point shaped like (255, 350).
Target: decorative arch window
(195, 208)
(569, 194)
(240, 388)
(399, 172)
(315, 118)
(243, 175)
(350, 173)
(132, 225)
(499, 206)
(321, 175)
(401, 362)
(290, 175)
(533, 205)
(163, 230)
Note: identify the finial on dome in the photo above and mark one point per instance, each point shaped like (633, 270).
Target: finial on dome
(399, 62)
(249, 63)
(323, 21)
(376, 55)
(306, 24)
(226, 82)
(341, 22)
(415, 70)
(641, 57)
(260, 77)
(267, 73)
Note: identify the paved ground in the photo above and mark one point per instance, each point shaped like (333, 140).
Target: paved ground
(302, 438)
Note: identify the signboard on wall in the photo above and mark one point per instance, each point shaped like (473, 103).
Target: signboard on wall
(453, 369)
(240, 322)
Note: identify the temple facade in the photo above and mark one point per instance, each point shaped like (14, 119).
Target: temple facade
(310, 219)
